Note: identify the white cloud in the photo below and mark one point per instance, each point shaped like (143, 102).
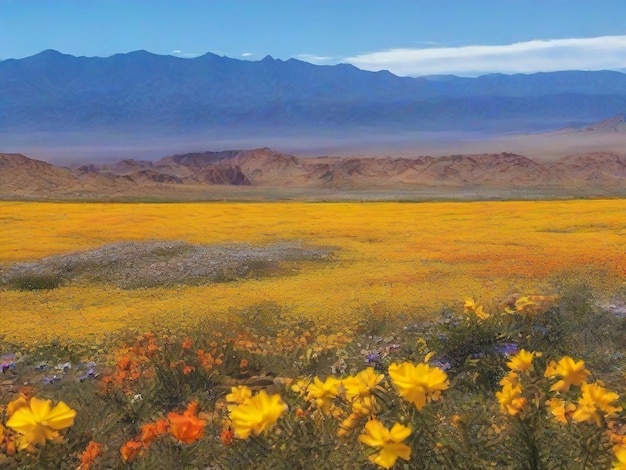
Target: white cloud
(314, 59)
(185, 55)
(599, 53)
(247, 54)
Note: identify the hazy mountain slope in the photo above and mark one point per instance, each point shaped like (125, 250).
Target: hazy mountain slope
(143, 92)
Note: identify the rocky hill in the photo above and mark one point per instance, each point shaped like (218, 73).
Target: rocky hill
(177, 175)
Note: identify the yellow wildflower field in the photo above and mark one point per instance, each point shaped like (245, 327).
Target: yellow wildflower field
(390, 257)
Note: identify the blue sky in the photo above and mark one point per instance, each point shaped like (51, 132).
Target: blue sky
(407, 37)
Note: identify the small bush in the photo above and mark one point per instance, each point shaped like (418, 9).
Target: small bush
(34, 281)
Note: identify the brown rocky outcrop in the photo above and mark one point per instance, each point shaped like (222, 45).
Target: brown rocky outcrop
(23, 177)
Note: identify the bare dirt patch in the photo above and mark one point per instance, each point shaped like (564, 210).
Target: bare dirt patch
(132, 265)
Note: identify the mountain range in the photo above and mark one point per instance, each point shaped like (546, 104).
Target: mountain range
(144, 93)
(217, 175)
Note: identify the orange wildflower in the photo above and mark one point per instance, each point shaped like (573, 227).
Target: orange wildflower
(227, 436)
(130, 450)
(187, 343)
(89, 455)
(150, 431)
(124, 363)
(187, 428)
(11, 450)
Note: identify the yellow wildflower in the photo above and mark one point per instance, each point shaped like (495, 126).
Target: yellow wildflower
(481, 314)
(418, 383)
(511, 379)
(238, 395)
(559, 410)
(323, 392)
(300, 386)
(522, 303)
(522, 361)
(469, 304)
(389, 441)
(362, 384)
(595, 398)
(573, 373)
(348, 424)
(19, 402)
(364, 406)
(256, 415)
(511, 400)
(620, 454)
(39, 421)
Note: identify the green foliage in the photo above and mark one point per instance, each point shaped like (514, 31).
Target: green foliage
(34, 281)
(147, 376)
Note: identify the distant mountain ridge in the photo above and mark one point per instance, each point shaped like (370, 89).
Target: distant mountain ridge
(25, 178)
(142, 92)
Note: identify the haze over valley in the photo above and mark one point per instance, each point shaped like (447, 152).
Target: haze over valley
(73, 110)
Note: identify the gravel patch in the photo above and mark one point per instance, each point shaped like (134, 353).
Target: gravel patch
(132, 265)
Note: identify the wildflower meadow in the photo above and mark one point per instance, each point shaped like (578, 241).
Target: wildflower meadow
(439, 335)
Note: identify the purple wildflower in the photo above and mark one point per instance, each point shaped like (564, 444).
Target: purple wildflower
(443, 364)
(7, 362)
(90, 372)
(507, 348)
(372, 357)
(50, 380)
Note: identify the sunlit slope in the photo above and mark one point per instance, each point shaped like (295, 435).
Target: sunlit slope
(397, 257)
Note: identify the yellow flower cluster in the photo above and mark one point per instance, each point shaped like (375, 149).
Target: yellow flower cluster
(253, 414)
(323, 393)
(389, 441)
(530, 304)
(595, 403)
(572, 373)
(522, 361)
(419, 383)
(470, 307)
(510, 398)
(383, 257)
